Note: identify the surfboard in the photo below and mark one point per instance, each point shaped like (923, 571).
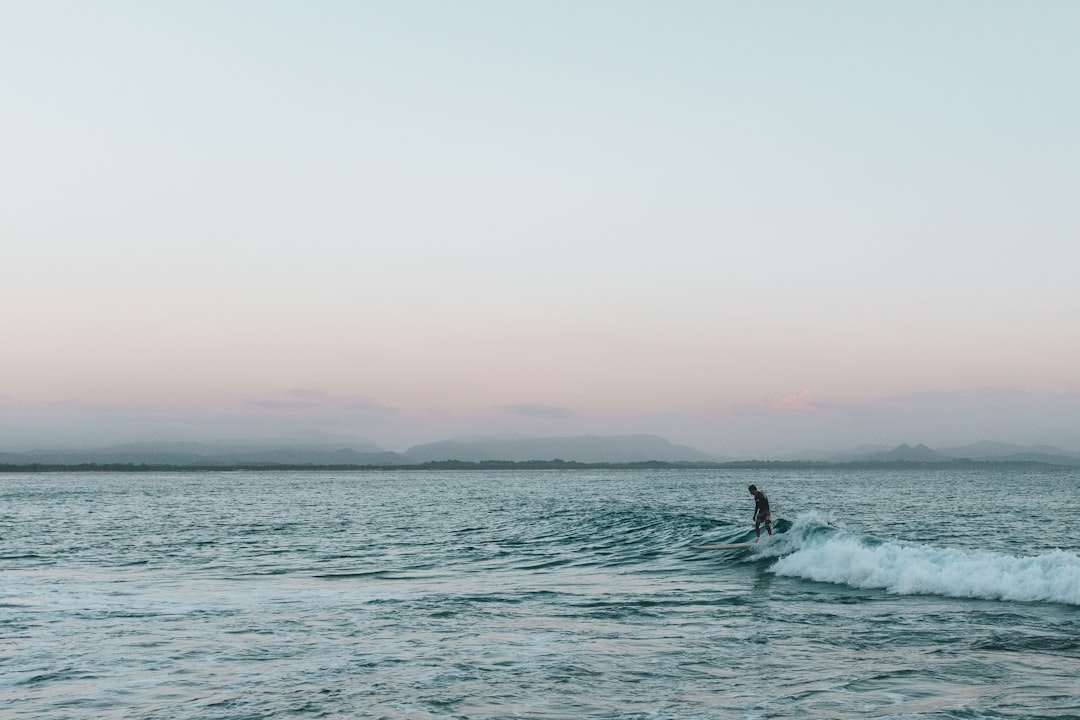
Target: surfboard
(735, 546)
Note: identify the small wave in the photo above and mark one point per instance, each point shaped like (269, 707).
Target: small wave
(814, 550)
(357, 574)
(632, 536)
(1022, 642)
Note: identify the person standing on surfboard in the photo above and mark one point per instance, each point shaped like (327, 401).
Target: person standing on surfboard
(761, 511)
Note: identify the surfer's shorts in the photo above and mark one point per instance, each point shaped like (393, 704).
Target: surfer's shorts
(765, 519)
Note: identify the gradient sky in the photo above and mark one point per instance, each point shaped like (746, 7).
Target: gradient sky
(750, 227)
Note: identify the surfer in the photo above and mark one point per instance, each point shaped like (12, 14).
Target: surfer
(761, 511)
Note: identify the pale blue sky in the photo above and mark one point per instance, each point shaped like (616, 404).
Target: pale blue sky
(737, 225)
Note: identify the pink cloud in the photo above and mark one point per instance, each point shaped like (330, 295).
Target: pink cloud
(795, 402)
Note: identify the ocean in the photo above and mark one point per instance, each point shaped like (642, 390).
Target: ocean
(911, 593)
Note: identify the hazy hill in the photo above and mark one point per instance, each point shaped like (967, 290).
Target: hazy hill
(831, 456)
(999, 451)
(583, 448)
(193, 454)
(985, 451)
(902, 453)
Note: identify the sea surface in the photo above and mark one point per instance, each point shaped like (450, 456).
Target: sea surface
(540, 594)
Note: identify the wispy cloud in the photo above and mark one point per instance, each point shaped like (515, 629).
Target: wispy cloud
(538, 411)
(795, 402)
(310, 399)
(799, 402)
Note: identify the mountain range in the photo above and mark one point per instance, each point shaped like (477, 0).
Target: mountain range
(984, 451)
(575, 449)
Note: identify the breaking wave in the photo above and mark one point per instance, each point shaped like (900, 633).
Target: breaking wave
(814, 550)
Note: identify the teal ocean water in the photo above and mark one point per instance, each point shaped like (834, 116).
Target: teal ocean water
(540, 594)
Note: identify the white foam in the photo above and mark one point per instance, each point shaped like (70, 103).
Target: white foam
(913, 569)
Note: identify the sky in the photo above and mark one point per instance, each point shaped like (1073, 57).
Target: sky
(749, 227)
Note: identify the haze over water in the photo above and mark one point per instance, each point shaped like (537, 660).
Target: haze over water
(544, 594)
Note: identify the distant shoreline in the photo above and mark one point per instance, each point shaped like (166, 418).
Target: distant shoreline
(535, 465)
